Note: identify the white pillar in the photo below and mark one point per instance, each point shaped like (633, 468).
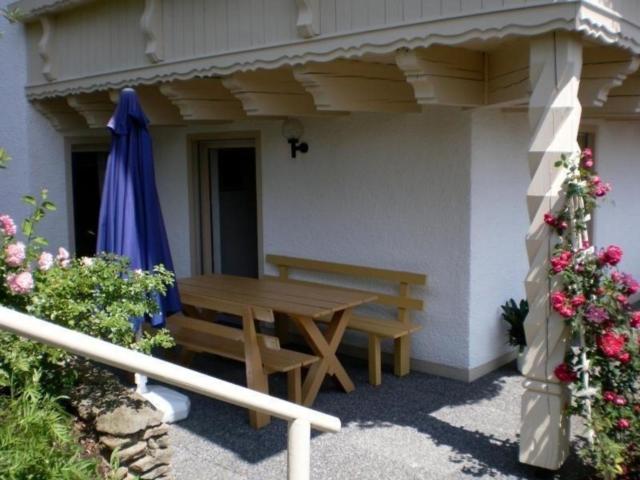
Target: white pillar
(299, 450)
(554, 117)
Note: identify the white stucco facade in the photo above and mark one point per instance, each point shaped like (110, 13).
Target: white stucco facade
(440, 192)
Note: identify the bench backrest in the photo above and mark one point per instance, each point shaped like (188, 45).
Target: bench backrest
(402, 301)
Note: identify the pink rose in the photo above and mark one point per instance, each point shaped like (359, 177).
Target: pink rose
(611, 255)
(63, 257)
(7, 225)
(45, 261)
(611, 344)
(21, 283)
(634, 320)
(620, 401)
(587, 158)
(623, 299)
(15, 254)
(623, 424)
(609, 396)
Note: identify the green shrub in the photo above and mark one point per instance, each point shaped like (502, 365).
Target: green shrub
(97, 296)
(36, 440)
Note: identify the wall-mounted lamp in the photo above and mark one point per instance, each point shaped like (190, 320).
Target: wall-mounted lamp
(293, 130)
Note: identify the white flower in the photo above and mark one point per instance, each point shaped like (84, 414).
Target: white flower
(86, 261)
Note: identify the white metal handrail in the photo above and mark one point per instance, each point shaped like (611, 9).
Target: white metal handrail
(301, 419)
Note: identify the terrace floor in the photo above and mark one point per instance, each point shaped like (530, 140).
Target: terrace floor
(416, 427)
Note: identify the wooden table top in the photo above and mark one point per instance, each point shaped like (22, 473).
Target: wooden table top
(270, 293)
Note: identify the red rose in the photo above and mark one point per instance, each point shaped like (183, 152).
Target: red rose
(623, 424)
(611, 344)
(557, 299)
(611, 255)
(578, 300)
(609, 396)
(550, 220)
(634, 320)
(560, 262)
(564, 373)
(624, 357)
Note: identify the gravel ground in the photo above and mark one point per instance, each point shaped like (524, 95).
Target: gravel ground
(416, 427)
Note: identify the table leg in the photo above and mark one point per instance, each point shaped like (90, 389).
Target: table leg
(325, 346)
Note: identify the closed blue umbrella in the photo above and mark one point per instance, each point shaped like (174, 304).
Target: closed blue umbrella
(131, 223)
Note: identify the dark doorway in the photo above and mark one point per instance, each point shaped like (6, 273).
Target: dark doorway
(88, 169)
(229, 209)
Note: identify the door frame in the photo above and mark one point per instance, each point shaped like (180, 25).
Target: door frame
(221, 139)
(97, 143)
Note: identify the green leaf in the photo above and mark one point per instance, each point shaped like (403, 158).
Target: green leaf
(27, 227)
(29, 200)
(48, 205)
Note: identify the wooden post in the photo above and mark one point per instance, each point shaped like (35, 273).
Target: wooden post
(554, 116)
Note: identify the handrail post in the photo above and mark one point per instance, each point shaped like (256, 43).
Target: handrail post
(299, 450)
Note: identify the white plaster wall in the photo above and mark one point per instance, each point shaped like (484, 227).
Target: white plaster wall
(379, 190)
(617, 221)
(13, 122)
(499, 221)
(36, 148)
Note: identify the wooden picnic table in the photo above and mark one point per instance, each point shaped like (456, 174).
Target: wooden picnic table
(304, 304)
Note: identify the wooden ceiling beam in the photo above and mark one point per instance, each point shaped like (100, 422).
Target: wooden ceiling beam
(203, 100)
(507, 75)
(356, 86)
(61, 116)
(97, 108)
(270, 93)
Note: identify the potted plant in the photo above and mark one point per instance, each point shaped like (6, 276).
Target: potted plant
(515, 314)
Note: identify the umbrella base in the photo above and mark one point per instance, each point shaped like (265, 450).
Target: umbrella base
(174, 405)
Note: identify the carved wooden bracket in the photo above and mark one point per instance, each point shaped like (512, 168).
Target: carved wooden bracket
(345, 85)
(157, 107)
(444, 75)
(151, 24)
(60, 114)
(97, 108)
(308, 21)
(604, 68)
(45, 47)
(203, 100)
(270, 93)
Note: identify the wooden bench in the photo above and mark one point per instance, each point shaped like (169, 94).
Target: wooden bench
(377, 329)
(262, 355)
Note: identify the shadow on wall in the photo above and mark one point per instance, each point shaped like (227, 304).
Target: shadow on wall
(412, 402)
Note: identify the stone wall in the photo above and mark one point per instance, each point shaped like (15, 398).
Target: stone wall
(127, 429)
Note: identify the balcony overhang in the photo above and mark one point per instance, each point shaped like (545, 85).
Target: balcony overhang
(476, 60)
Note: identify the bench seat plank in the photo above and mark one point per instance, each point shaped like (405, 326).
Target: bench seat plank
(208, 336)
(382, 328)
(274, 360)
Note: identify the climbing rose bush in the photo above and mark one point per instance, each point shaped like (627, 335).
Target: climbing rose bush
(602, 368)
(97, 296)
